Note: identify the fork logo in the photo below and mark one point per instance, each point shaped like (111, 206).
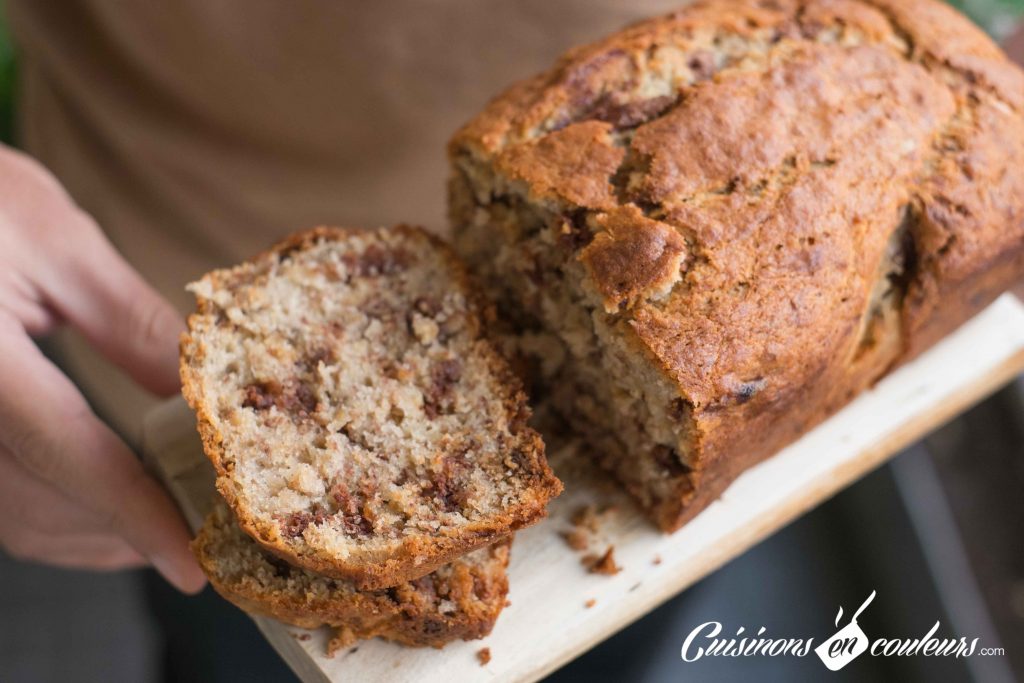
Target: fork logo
(848, 643)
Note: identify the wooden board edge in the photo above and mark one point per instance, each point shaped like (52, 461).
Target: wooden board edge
(288, 648)
(734, 544)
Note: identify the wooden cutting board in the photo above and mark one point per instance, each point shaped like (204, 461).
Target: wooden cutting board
(549, 622)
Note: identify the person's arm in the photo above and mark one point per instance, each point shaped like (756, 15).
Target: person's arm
(71, 492)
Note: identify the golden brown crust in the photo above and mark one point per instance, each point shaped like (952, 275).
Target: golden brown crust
(783, 144)
(459, 601)
(574, 164)
(415, 556)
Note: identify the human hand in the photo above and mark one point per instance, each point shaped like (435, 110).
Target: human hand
(71, 492)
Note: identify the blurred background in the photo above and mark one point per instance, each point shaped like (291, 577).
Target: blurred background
(937, 531)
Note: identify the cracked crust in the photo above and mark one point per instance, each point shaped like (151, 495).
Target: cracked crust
(744, 214)
(460, 600)
(289, 364)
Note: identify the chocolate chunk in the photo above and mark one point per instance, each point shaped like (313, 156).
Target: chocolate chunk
(748, 389)
(261, 395)
(297, 399)
(628, 114)
(427, 306)
(286, 253)
(433, 627)
(580, 81)
(678, 409)
(448, 484)
(443, 378)
(668, 459)
(282, 569)
(575, 234)
(376, 261)
(296, 523)
(350, 508)
(315, 357)
(702, 65)
(299, 402)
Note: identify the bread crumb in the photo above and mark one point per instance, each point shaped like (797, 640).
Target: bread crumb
(656, 560)
(343, 637)
(301, 636)
(484, 655)
(590, 603)
(585, 518)
(603, 564)
(576, 539)
(586, 522)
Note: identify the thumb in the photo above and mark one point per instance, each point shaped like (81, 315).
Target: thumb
(120, 314)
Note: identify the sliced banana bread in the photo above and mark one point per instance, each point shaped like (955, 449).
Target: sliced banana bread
(361, 424)
(458, 600)
(737, 217)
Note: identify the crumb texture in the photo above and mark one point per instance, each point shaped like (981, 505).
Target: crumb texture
(732, 219)
(361, 424)
(459, 600)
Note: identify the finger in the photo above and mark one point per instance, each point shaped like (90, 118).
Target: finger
(38, 506)
(97, 551)
(82, 278)
(117, 311)
(52, 432)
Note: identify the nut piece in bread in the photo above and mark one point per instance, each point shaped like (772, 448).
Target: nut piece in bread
(360, 423)
(737, 217)
(458, 600)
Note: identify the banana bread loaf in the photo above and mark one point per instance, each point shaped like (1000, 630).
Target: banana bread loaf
(737, 217)
(360, 423)
(458, 600)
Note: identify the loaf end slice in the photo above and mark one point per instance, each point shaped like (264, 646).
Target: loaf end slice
(361, 424)
(460, 600)
(735, 218)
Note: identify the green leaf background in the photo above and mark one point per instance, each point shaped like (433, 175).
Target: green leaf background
(995, 16)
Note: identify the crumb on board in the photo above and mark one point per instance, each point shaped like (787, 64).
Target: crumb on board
(656, 560)
(590, 603)
(301, 636)
(343, 637)
(586, 522)
(602, 564)
(484, 656)
(576, 539)
(585, 517)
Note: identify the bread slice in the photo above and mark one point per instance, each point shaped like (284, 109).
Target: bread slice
(458, 600)
(360, 423)
(735, 218)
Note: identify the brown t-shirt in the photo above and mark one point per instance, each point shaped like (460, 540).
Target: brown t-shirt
(197, 132)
